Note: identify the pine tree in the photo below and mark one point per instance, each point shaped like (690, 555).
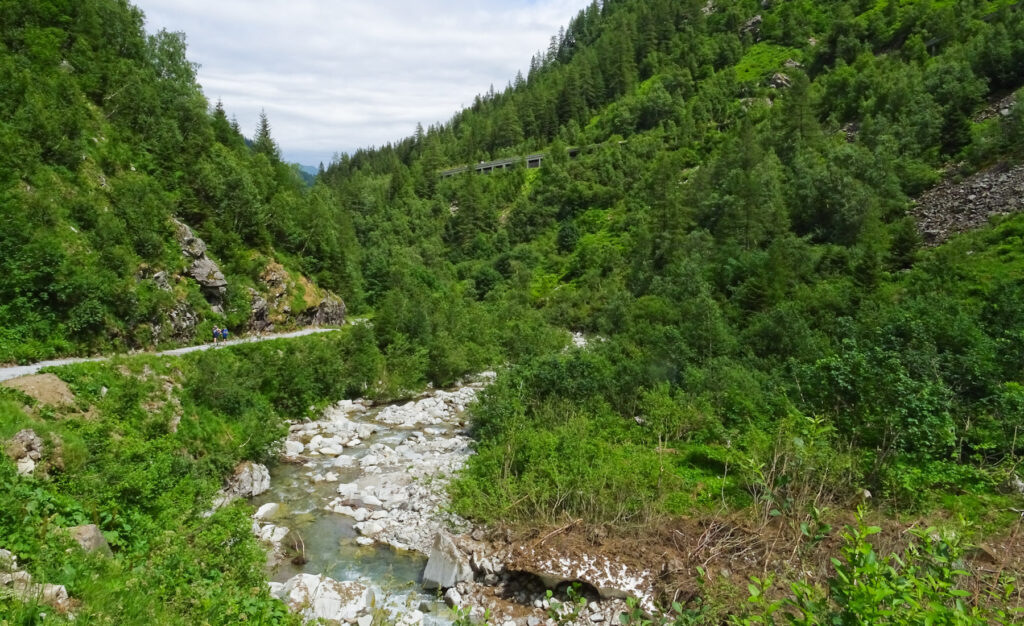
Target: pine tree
(263, 143)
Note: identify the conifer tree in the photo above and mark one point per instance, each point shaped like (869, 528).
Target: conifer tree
(263, 143)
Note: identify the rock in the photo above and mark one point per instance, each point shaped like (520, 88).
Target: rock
(203, 270)
(533, 620)
(1016, 485)
(780, 81)
(320, 597)
(293, 448)
(412, 618)
(370, 529)
(347, 490)
(250, 479)
(947, 209)
(272, 534)
(752, 25)
(330, 310)
(90, 538)
(8, 562)
(365, 620)
(447, 564)
(453, 598)
(25, 466)
(54, 595)
(25, 448)
(267, 511)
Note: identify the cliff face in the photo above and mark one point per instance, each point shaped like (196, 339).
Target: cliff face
(956, 206)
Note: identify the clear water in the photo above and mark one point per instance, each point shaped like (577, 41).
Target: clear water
(329, 539)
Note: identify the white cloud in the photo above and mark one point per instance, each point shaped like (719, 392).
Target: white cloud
(337, 76)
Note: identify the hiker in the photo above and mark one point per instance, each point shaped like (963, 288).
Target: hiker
(216, 334)
(224, 334)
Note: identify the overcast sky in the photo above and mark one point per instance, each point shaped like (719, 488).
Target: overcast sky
(334, 76)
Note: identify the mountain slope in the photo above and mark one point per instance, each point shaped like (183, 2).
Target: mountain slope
(109, 149)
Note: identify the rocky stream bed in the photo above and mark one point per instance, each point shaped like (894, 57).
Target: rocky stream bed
(355, 518)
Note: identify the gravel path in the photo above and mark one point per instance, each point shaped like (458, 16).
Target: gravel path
(7, 373)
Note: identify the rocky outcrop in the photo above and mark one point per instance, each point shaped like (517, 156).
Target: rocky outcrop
(954, 207)
(330, 311)
(287, 299)
(203, 269)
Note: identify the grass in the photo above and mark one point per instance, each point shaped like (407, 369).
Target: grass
(762, 59)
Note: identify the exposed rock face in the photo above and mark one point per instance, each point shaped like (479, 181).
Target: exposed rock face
(203, 269)
(90, 538)
(447, 564)
(331, 310)
(274, 304)
(25, 449)
(955, 207)
(320, 597)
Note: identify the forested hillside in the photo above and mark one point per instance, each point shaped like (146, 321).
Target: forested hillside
(105, 142)
(767, 333)
(768, 341)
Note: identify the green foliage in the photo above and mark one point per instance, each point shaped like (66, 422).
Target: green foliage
(922, 585)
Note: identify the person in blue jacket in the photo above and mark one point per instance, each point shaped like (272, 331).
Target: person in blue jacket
(216, 334)
(224, 334)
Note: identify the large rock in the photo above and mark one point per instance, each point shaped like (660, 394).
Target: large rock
(320, 597)
(90, 538)
(447, 564)
(330, 310)
(250, 479)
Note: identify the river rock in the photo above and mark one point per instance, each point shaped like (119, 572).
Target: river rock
(250, 479)
(267, 511)
(320, 597)
(369, 529)
(447, 564)
(293, 448)
(453, 598)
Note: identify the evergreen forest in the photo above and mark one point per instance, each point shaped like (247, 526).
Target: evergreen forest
(728, 214)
